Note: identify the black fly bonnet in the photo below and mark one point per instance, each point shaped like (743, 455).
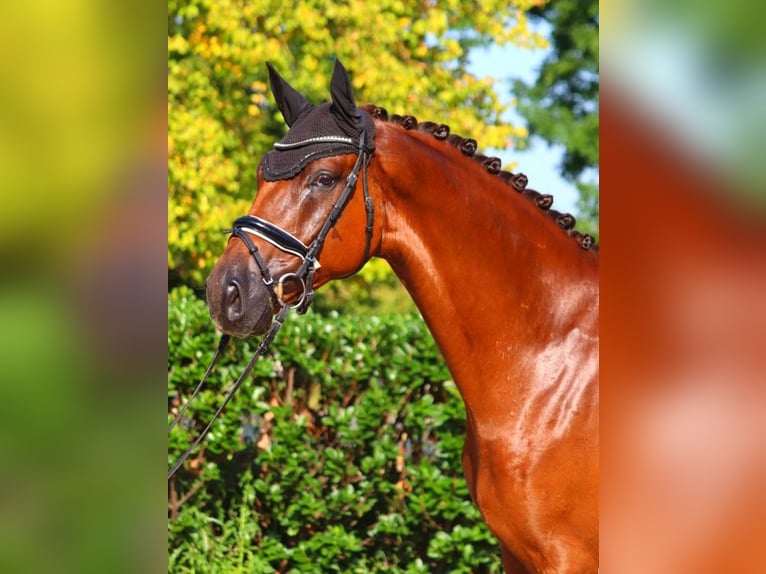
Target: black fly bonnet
(316, 131)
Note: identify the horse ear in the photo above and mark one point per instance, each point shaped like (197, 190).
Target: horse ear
(289, 101)
(343, 95)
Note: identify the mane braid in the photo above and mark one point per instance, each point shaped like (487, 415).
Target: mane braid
(517, 181)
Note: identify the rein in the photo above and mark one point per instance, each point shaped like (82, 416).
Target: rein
(248, 225)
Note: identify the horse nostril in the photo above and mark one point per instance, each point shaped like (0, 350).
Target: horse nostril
(233, 302)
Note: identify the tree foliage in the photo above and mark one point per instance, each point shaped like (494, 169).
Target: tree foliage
(408, 56)
(561, 106)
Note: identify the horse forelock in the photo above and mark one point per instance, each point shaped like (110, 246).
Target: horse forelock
(493, 165)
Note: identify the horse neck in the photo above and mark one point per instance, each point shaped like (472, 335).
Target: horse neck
(496, 280)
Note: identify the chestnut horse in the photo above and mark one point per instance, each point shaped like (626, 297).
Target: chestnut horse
(507, 288)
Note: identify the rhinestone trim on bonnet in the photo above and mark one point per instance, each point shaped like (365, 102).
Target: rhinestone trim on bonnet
(319, 132)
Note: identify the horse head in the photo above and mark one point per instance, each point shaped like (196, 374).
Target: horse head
(308, 224)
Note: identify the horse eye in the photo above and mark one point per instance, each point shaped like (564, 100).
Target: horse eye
(325, 180)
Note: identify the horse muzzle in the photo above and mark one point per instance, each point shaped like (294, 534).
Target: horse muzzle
(239, 302)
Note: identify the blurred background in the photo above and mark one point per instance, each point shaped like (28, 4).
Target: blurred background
(683, 424)
(82, 288)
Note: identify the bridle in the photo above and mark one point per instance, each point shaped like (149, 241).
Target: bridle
(288, 243)
(247, 225)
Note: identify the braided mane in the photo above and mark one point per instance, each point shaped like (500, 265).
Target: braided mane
(517, 181)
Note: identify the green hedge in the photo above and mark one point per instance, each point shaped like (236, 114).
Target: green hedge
(341, 454)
